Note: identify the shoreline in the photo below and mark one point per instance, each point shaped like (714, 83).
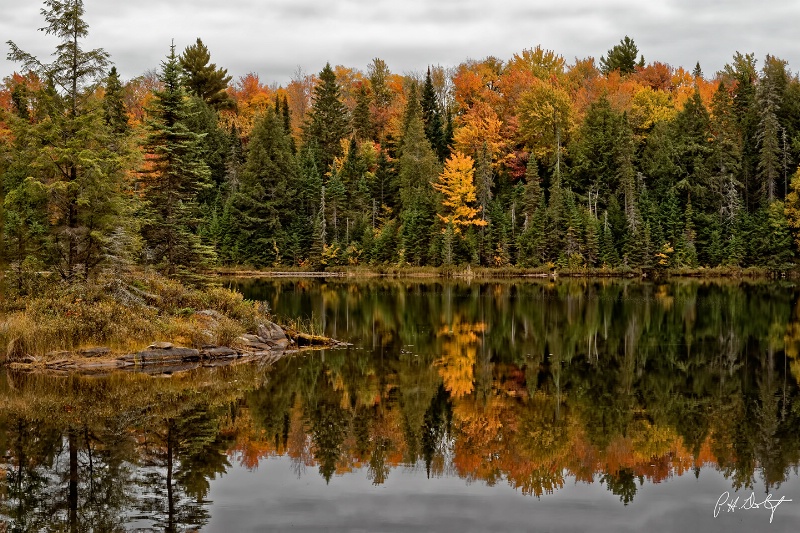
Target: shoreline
(506, 273)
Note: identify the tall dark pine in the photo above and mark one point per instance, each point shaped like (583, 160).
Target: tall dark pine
(744, 76)
(327, 123)
(204, 79)
(262, 210)
(432, 117)
(176, 174)
(114, 104)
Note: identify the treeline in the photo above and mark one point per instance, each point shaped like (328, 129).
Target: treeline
(528, 162)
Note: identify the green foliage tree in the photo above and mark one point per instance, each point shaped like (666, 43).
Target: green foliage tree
(622, 57)
(66, 154)
(327, 123)
(418, 166)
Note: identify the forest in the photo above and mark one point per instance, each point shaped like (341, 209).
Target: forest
(531, 161)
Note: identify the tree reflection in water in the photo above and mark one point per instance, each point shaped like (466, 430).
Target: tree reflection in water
(528, 384)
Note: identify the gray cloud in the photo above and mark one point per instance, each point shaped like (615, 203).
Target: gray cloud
(273, 37)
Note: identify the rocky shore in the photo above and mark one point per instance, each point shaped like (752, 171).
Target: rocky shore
(268, 344)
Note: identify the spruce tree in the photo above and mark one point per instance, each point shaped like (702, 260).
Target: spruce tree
(176, 173)
(432, 117)
(327, 121)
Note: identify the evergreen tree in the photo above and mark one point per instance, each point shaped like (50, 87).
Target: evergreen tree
(594, 169)
(202, 120)
(262, 208)
(743, 75)
(608, 249)
(287, 123)
(66, 155)
(418, 165)
(327, 121)
(691, 133)
(417, 168)
(362, 119)
(116, 115)
(533, 191)
(432, 117)
(484, 179)
(204, 79)
(176, 174)
(769, 153)
(726, 153)
(621, 57)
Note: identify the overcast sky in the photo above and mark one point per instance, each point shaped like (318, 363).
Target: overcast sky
(273, 37)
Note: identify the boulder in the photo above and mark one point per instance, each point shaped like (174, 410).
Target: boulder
(270, 331)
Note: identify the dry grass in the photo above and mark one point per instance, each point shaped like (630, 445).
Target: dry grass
(125, 315)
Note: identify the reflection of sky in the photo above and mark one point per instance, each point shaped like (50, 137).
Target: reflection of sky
(274, 498)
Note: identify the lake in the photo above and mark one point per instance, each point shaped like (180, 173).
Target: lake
(575, 405)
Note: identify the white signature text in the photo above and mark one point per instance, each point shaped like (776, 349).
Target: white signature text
(725, 504)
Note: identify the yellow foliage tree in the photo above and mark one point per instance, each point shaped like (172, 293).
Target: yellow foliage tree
(458, 190)
(792, 208)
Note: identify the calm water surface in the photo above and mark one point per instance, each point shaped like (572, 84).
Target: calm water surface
(502, 406)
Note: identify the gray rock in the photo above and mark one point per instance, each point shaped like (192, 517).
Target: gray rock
(96, 351)
(219, 351)
(249, 339)
(160, 345)
(172, 354)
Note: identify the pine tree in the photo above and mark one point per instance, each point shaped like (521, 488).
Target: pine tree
(116, 115)
(608, 249)
(176, 174)
(768, 145)
(533, 191)
(432, 117)
(621, 57)
(67, 153)
(327, 121)
(287, 123)
(418, 166)
(362, 119)
(262, 208)
(204, 79)
(743, 73)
